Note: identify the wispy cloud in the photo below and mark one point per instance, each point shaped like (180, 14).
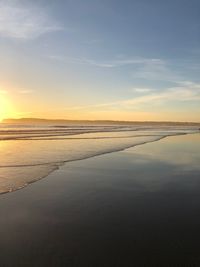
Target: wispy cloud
(177, 94)
(108, 63)
(184, 91)
(142, 90)
(142, 68)
(187, 91)
(156, 70)
(21, 21)
(81, 61)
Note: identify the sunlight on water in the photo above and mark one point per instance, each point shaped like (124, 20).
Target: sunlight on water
(29, 154)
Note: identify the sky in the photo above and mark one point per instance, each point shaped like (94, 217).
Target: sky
(100, 59)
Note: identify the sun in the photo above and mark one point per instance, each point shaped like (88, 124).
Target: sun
(5, 108)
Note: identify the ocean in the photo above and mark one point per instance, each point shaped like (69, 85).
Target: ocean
(30, 152)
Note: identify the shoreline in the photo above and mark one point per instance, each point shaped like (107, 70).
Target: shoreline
(56, 165)
(136, 206)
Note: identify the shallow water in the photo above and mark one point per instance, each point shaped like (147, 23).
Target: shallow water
(138, 207)
(32, 152)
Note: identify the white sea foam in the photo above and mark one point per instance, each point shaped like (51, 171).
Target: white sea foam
(29, 154)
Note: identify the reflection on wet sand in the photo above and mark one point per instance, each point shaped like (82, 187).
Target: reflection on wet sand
(131, 208)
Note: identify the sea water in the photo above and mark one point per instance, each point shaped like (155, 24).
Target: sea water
(30, 152)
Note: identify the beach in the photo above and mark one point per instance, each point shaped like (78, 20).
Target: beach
(99, 133)
(136, 207)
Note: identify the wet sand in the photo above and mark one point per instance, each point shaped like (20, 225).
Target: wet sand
(138, 207)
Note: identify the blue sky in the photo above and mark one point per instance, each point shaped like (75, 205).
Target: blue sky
(127, 60)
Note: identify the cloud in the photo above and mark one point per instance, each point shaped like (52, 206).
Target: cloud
(91, 62)
(81, 61)
(149, 69)
(141, 90)
(108, 63)
(142, 68)
(157, 70)
(20, 21)
(187, 91)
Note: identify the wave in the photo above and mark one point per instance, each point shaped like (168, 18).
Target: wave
(29, 159)
(18, 133)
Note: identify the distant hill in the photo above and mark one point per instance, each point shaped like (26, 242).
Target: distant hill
(100, 122)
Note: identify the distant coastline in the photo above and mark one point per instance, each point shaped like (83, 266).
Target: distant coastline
(65, 121)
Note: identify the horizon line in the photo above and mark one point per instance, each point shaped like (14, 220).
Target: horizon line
(89, 120)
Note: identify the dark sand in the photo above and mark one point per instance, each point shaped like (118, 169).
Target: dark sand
(139, 207)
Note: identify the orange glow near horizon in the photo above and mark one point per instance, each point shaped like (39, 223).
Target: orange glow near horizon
(13, 106)
(6, 109)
